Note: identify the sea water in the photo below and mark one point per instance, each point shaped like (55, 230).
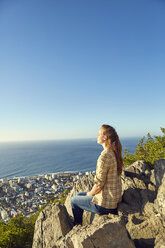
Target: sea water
(19, 159)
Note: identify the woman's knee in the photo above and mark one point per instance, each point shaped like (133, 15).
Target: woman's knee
(77, 195)
(73, 200)
(81, 194)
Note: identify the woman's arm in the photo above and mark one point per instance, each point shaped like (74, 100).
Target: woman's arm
(95, 190)
(103, 165)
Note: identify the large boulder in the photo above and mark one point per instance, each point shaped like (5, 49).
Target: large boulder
(138, 188)
(144, 230)
(134, 201)
(159, 203)
(139, 167)
(145, 208)
(159, 170)
(138, 175)
(52, 224)
(100, 234)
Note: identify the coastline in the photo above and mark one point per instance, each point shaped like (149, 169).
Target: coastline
(40, 175)
(27, 194)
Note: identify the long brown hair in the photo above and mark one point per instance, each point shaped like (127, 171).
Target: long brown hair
(113, 143)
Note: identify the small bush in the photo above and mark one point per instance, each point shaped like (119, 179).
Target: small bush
(18, 233)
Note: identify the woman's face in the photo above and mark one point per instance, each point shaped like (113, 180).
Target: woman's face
(100, 137)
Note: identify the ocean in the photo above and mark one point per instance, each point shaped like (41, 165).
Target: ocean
(23, 159)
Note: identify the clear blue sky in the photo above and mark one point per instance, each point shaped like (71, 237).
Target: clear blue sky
(68, 66)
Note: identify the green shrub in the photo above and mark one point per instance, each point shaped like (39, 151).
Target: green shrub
(148, 149)
(18, 233)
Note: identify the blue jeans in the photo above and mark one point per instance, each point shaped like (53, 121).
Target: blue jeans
(81, 202)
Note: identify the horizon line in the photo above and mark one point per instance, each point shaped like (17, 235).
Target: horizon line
(60, 139)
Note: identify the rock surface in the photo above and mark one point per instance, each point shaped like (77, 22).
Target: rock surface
(159, 203)
(159, 170)
(101, 234)
(143, 207)
(52, 224)
(140, 222)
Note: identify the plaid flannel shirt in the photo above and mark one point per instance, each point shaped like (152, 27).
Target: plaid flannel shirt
(107, 177)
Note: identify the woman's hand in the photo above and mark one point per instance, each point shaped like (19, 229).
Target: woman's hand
(89, 193)
(96, 189)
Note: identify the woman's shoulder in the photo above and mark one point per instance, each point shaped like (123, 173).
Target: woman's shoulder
(106, 154)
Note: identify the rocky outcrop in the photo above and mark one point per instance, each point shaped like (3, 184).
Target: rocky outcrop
(102, 233)
(139, 187)
(52, 224)
(159, 203)
(159, 170)
(143, 203)
(140, 221)
(139, 175)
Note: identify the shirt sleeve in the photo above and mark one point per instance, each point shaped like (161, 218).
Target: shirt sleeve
(103, 165)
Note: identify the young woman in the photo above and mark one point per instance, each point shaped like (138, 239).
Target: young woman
(106, 192)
